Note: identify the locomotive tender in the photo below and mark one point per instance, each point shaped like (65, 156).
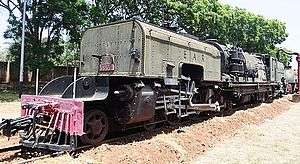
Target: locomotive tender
(132, 74)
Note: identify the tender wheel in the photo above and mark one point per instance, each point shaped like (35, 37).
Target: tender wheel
(95, 127)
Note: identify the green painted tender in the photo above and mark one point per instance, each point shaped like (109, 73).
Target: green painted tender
(138, 49)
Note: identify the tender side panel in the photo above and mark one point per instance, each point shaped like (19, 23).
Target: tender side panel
(119, 40)
(165, 51)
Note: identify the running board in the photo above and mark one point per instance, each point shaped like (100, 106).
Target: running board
(204, 107)
(187, 114)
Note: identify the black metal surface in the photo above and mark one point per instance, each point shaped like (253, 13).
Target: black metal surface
(10, 126)
(95, 126)
(36, 131)
(48, 138)
(237, 62)
(135, 103)
(48, 146)
(85, 87)
(57, 86)
(143, 105)
(94, 88)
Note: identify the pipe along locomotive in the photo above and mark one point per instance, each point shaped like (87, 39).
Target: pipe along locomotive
(135, 74)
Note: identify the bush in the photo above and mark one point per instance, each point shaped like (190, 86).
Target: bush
(8, 96)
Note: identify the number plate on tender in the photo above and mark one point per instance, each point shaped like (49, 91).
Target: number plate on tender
(107, 63)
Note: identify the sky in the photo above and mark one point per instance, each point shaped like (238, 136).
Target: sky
(3, 27)
(284, 10)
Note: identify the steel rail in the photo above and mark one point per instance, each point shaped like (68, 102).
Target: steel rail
(10, 148)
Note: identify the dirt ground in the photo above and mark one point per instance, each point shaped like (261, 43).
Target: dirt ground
(275, 141)
(10, 110)
(192, 142)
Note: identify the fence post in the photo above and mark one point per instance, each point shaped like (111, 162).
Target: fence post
(37, 82)
(74, 83)
(7, 80)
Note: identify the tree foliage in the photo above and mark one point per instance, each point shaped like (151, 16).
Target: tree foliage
(69, 56)
(104, 11)
(5, 54)
(208, 19)
(48, 21)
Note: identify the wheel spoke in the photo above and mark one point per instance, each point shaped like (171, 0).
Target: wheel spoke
(100, 126)
(96, 127)
(93, 118)
(102, 121)
(90, 124)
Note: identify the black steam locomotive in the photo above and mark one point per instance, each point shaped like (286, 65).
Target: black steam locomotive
(136, 74)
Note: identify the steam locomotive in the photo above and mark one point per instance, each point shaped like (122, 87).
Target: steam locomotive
(135, 74)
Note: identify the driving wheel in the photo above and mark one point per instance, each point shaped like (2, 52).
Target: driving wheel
(95, 127)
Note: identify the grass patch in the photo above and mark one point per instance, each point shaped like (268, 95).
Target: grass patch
(8, 96)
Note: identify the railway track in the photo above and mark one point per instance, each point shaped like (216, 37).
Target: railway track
(10, 148)
(19, 152)
(129, 136)
(24, 155)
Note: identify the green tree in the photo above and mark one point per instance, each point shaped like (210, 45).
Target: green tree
(105, 11)
(69, 56)
(208, 19)
(49, 20)
(46, 22)
(5, 55)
